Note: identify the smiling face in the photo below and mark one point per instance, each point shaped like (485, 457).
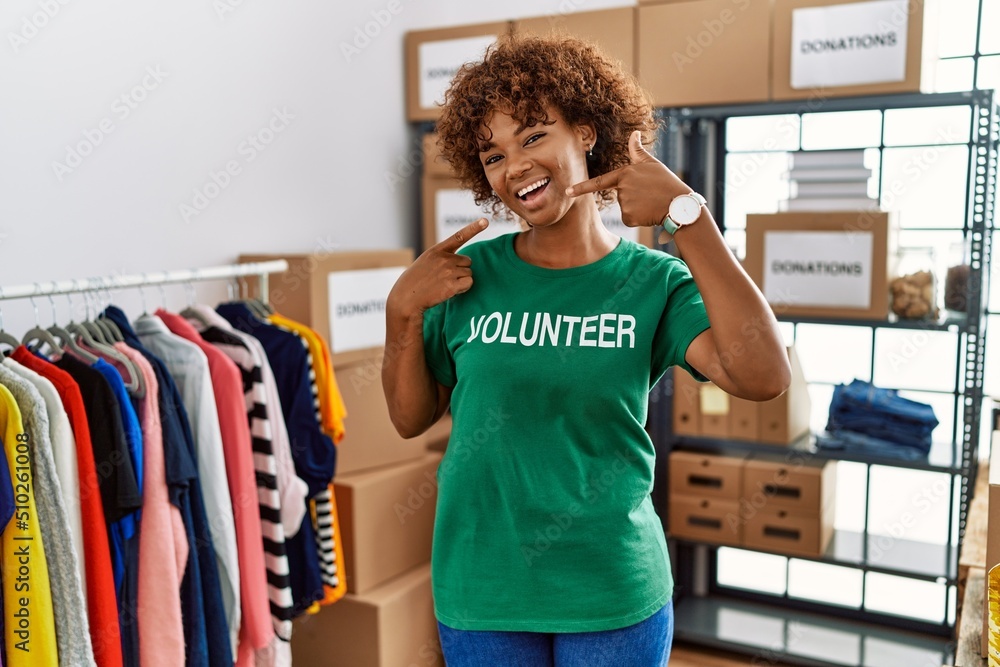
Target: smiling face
(530, 167)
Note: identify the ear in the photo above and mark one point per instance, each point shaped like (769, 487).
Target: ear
(586, 133)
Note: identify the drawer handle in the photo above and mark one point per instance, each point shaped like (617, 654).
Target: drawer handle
(782, 491)
(700, 480)
(704, 522)
(783, 533)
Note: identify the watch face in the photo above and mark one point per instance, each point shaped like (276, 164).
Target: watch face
(684, 210)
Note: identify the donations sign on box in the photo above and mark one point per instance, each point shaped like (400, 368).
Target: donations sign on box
(357, 307)
(852, 44)
(820, 264)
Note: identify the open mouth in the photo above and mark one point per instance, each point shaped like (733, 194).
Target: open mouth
(534, 190)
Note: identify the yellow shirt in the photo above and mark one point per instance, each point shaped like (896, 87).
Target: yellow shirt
(28, 621)
(331, 403)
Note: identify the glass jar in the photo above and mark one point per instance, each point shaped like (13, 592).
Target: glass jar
(956, 281)
(913, 292)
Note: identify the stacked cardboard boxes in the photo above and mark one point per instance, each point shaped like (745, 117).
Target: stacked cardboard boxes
(763, 503)
(385, 486)
(704, 410)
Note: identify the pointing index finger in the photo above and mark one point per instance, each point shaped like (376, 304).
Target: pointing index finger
(603, 182)
(455, 241)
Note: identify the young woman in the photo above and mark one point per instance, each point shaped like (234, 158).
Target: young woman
(545, 345)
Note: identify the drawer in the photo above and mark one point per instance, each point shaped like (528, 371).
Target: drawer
(705, 520)
(705, 476)
(789, 533)
(805, 487)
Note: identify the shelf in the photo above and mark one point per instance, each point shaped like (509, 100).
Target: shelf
(918, 560)
(771, 634)
(940, 459)
(950, 321)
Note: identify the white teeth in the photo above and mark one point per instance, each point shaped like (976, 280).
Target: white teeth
(534, 186)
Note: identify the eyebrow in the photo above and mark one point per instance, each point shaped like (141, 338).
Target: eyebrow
(491, 145)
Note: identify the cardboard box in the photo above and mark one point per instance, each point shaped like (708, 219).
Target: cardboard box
(802, 487)
(434, 56)
(613, 30)
(389, 626)
(786, 532)
(439, 433)
(889, 49)
(744, 423)
(785, 419)
(447, 207)
(386, 520)
(687, 403)
(339, 294)
(371, 441)
(705, 476)
(434, 162)
(714, 405)
(823, 264)
(706, 520)
(993, 529)
(704, 52)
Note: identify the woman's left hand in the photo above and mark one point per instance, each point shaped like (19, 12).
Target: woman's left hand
(645, 187)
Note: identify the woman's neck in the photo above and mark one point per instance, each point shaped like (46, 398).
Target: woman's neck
(579, 238)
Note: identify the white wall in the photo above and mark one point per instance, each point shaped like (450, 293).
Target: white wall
(222, 69)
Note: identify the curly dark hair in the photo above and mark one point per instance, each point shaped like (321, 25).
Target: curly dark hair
(522, 75)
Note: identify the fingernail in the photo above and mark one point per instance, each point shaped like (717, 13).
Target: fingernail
(569, 191)
(482, 222)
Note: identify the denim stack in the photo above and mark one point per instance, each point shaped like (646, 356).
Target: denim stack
(873, 421)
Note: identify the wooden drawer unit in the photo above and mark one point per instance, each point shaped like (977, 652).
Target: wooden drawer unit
(787, 532)
(803, 487)
(706, 520)
(705, 476)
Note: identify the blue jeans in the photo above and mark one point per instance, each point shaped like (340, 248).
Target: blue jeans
(645, 644)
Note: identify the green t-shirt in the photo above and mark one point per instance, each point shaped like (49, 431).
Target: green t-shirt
(544, 519)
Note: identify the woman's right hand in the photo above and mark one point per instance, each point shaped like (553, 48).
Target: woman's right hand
(437, 275)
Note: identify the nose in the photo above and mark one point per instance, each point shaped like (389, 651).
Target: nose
(518, 165)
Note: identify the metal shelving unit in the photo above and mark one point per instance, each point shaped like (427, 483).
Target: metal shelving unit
(693, 141)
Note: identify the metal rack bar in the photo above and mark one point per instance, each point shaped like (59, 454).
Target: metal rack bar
(262, 269)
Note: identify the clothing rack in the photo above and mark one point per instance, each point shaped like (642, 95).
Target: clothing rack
(260, 269)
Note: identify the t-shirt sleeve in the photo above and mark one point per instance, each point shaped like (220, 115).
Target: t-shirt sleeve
(436, 350)
(683, 318)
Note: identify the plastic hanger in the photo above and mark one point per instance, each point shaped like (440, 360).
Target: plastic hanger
(109, 324)
(37, 333)
(133, 383)
(6, 338)
(68, 342)
(96, 332)
(189, 312)
(251, 303)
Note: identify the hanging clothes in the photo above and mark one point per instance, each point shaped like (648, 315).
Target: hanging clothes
(189, 368)
(68, 607)
(312, 451)
(124, 533)
(102, 609)
(322, 506)
(201, 595)
(255, 631)
(64, 455)
(29, 623)
(163, 543)
(281, 494)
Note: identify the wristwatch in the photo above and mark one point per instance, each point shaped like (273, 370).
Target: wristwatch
(684, 210)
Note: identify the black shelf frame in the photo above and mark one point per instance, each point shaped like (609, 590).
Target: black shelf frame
(692, 141)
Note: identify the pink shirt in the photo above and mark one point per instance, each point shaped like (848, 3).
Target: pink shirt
(256, 630)
(163, 545)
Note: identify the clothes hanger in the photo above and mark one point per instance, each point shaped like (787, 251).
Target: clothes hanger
(37, 333)
(108, 323)
(68, 342)
(189, 312)
(248, 302)
(133, 383)
(96, 332)
(6, 338)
